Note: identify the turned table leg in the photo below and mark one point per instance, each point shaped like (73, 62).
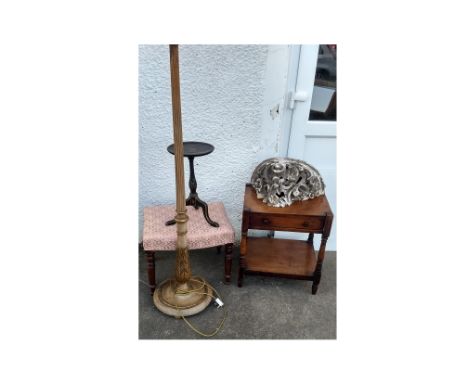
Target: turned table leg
(317, 277)
(243, 248)
(318, 268)
(321, 254)
(240, 276)
(227, 262)
(151, 272)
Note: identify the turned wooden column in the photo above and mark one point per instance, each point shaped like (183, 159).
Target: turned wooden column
(227, 262)
(182, 295)
(150, 270)
(243, 248)
(183, 271)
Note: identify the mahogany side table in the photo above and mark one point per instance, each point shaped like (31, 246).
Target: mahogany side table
(294, 259)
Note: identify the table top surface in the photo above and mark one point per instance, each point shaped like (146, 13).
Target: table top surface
(318, 206)
(194, 149)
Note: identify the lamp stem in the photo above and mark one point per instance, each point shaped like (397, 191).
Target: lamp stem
(183, 272)
(179, 298)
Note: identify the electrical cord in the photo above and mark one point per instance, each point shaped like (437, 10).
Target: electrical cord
(197, 291)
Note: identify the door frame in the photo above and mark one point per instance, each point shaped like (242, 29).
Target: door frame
(286, 121)
(301, 128)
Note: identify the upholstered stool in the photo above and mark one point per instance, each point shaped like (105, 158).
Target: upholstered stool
(157, 236)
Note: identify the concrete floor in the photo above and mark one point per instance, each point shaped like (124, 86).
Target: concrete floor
(264, 308)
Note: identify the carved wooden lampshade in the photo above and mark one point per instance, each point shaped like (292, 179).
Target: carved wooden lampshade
(182, 295)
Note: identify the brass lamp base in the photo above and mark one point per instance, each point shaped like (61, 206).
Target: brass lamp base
(186, 299)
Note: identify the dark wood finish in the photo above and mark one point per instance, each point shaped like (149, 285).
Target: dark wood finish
(313, 207)
(279, 257)
(321, 254)
(151, 269)
(151, 272)
(227, 262)
(243, 246)
(192, 150)
(286, 223)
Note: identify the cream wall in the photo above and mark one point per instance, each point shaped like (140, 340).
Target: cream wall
(232, 97)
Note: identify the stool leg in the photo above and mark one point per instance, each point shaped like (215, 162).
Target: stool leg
(151, 272)
(227, 262)
(218, 249)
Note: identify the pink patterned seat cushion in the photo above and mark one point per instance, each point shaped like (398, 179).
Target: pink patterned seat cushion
(159, 237)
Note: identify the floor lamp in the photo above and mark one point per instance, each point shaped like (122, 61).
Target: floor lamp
(183, 295)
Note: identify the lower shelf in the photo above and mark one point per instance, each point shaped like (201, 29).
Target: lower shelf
(281, 257)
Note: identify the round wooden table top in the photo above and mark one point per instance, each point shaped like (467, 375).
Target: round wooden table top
(194, 149)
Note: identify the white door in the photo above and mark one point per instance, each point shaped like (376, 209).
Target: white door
(313, 125)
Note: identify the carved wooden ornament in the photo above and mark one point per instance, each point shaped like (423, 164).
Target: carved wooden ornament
(280, 182)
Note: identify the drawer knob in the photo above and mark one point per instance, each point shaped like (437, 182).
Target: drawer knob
(265, 221)
(305, 224)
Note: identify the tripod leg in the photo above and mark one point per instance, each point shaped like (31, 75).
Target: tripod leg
(204, 207)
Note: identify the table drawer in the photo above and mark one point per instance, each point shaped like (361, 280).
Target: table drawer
(285, 223)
